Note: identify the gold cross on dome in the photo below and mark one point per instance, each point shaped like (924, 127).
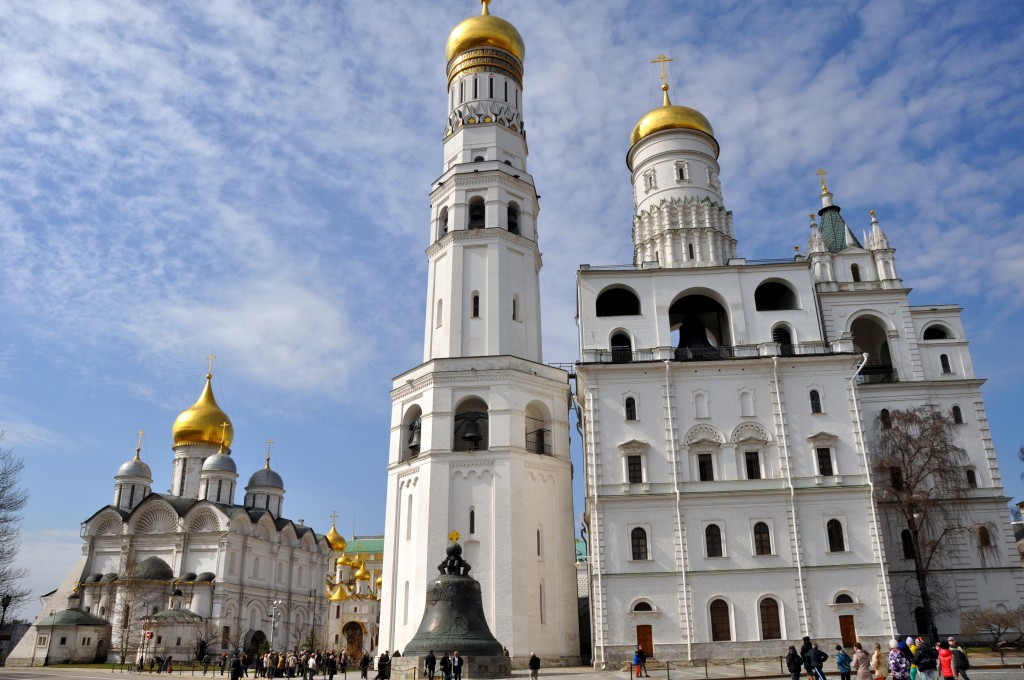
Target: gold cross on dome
(138, 447)
(270, 444)
(662, 59)
(334, 517)
(454, 536)
(821, 173)
(211, 357)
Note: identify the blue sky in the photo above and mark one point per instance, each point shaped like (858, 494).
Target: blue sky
(251, 179)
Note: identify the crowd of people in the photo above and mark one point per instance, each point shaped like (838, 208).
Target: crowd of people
(912, 659)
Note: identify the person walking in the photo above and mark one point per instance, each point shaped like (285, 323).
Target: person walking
(636, 662)
(534, 664)
(446, 666)
(960, 661)
(804, 649)
(236, 667)
(814, 660)
(926, 659)
(364, 665)
(457, 662)
(429, 664)
(794, 663)
(843, 662)
(946, 661)
(383, 663)
(877, 662)
(899, 666)
(861, 664)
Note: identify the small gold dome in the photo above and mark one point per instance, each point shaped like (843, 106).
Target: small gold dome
(341, 561)
(380, 581)
(339, 595)
(203, 422)
(485, 30)
(336, 540)
(361, 574)
(670, 117)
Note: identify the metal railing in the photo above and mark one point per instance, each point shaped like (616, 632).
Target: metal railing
(877, 373)
(716, 353)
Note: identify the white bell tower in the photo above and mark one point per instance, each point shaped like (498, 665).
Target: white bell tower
(480, 431)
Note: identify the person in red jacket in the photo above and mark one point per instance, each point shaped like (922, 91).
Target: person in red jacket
(945, 661)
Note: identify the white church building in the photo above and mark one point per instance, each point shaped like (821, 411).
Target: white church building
(727, 409)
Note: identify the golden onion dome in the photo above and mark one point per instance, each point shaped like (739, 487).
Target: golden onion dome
(670, 117)
(336, 540)
(203, 422)
(361, 574)
(341, 561)
(339, 595)
(485, 30)
(380, 582)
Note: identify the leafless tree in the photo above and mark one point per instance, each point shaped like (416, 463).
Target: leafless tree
(134, 603)
(204, 636)
(922, 486)
(13, 498)
(1002, 629)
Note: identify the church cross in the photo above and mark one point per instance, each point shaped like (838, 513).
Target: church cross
(821, 174)
(211, 357)
(662, 59)
(334, 517)
(138, 447)
(270, 444)
(454, 536)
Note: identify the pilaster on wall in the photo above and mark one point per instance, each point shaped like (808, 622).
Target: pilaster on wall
(593, 470)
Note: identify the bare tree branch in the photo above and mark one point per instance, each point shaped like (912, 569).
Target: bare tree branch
(13, 499)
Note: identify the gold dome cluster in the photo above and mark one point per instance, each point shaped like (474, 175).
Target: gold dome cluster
(670, 117)
(485, 30)
(203, 422)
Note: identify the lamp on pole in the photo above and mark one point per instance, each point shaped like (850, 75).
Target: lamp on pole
(5, 602)
(273, 621)
(312, 608)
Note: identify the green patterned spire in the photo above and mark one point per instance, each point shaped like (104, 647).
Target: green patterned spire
(834, 231)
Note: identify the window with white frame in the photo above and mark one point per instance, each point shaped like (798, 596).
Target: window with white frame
(762, 538)
(638, 544)
(682, 171)
(836, 536)
(752, 463)
(634, 461)
(823, 452)
(714, 546)
(650, 182)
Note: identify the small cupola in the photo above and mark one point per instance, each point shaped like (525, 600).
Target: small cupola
(133, 481)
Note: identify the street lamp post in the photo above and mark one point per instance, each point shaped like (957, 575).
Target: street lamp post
(312, 607)
(5, 603)
(273, 621)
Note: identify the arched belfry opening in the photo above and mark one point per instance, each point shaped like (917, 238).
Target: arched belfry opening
(622, 348)
(477, 213)
(700, 328)
(538, 428)
(513, 218)
(411, 432)
(773, 296)
(869, 336)
(470, 431)
(617, 302)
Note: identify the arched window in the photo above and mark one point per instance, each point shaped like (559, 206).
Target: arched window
(972, 478)
(630, 408)
(515, 308)
(477, 213)
(771, 624)
(762, 539)
(638, 539)
(984, 537)
(642, 607)
(935, 333)
(884, 419)
(513, 218)
(944, 361)
(472, 521)
(836, 543)
(773, 296)
(855, 272)
(719, 613)
(815, 401)
(958, 416)
(476, 305)
(622, 349)
(713, 540)
(438, 315)
(907, 539)
(843, 598)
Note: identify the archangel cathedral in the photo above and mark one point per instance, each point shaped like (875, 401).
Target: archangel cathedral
(190, 573)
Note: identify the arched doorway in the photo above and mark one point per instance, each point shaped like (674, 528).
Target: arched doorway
(255, 641)
(353, 632)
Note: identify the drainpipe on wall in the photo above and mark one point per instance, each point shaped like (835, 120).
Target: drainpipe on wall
(784, 445)
(876, 541)
(679, 519)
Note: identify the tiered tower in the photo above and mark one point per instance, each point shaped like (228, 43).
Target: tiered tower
(479, 431)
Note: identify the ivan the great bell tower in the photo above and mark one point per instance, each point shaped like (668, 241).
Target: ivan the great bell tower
(479, 430)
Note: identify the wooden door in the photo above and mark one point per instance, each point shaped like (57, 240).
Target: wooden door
(645, 640)
(847, 631)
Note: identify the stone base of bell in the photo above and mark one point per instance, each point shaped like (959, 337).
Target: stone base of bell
(411, 667)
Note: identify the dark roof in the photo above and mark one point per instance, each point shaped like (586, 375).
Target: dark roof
(176, 614)
(72, 617)
(153, 569)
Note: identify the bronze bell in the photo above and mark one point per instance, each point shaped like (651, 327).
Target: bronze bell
(414, 436)
(472, 432)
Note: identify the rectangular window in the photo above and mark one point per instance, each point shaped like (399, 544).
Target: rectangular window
(825, 462)
(475, 93)
(506, 90)
(86, 641)
(225, 636)
(490, 88)
(63, 640)
(896, 478)
(972, 478)
(753, 464)
(705, 467)
(636, 473)
(41, 641)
